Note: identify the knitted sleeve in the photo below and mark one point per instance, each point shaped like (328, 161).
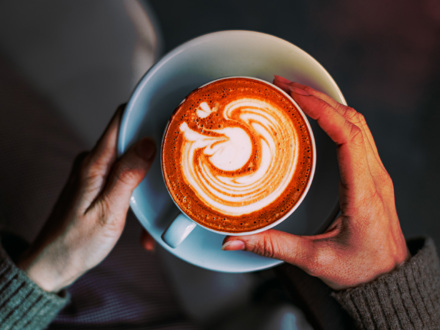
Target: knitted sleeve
(407, 298)
(23, 304)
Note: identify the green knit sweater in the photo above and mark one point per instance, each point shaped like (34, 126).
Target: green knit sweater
(407, 298)
(23, 304)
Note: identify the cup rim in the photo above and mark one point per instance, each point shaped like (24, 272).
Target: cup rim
(309, 182)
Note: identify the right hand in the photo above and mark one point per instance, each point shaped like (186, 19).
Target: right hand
(366, 240)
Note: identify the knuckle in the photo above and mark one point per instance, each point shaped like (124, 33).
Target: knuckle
(349, 113)
(88, 171)
(386, 182)
(102, 208)
(309, 89)
(264, 247)
(354, 116)
(125, 175)
(354, 134)
(360, 118)
(324, 107)
(386, 179)
(104, 215)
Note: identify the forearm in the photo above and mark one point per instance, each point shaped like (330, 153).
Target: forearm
(24, 304)
(408, 297)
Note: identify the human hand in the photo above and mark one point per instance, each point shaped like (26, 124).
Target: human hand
(366, 240)
(89, 216)
(147, 241)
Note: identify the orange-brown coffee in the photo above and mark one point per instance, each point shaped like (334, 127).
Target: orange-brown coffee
(237, 155)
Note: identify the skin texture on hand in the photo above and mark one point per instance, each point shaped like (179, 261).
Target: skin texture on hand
(90, 215)
(366, 240)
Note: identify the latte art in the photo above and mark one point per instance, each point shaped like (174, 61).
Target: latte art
(236, 155)
(247, 163)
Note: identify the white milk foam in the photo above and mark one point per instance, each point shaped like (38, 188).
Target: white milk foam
(236, 190)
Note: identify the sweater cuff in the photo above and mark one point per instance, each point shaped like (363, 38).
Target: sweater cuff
(23, 304)
(406, 298)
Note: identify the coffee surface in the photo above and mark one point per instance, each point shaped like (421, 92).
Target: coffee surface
(237, 155)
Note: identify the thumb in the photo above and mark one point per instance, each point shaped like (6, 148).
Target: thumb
(296, 250)
(126, 174)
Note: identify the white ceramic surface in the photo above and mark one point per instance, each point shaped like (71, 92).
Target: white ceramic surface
(194, 63)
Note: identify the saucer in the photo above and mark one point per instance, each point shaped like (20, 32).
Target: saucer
(165, 85)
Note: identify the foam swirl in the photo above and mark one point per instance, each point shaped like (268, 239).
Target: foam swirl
(246, 162)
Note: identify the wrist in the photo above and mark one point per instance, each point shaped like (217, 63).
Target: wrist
(44, 272)
(362, 273)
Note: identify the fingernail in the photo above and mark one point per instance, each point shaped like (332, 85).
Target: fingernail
(281, 79)
(146, 149)
(233, 245)
(298, 91)
(284, 86)
(150, 246)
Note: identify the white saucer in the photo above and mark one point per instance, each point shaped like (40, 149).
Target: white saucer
(196, 62)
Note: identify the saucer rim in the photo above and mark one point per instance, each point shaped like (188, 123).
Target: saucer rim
(146, 78)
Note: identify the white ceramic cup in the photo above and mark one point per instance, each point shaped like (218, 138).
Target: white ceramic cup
(183, 225)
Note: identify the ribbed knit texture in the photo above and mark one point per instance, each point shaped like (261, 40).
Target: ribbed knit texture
(407, 298)
(23, 304)
(129, 289)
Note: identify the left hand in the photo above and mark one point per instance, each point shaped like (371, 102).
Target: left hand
(90, 215)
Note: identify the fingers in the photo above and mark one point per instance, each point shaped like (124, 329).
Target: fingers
(329, 119)
(147, 241)
(104, 153)
(125, 175)
(349, 113)
(345, 127)
(352, 159)
(373, 153)
(290, 86)
(96, 164)
(321, 108)
(297, 250)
